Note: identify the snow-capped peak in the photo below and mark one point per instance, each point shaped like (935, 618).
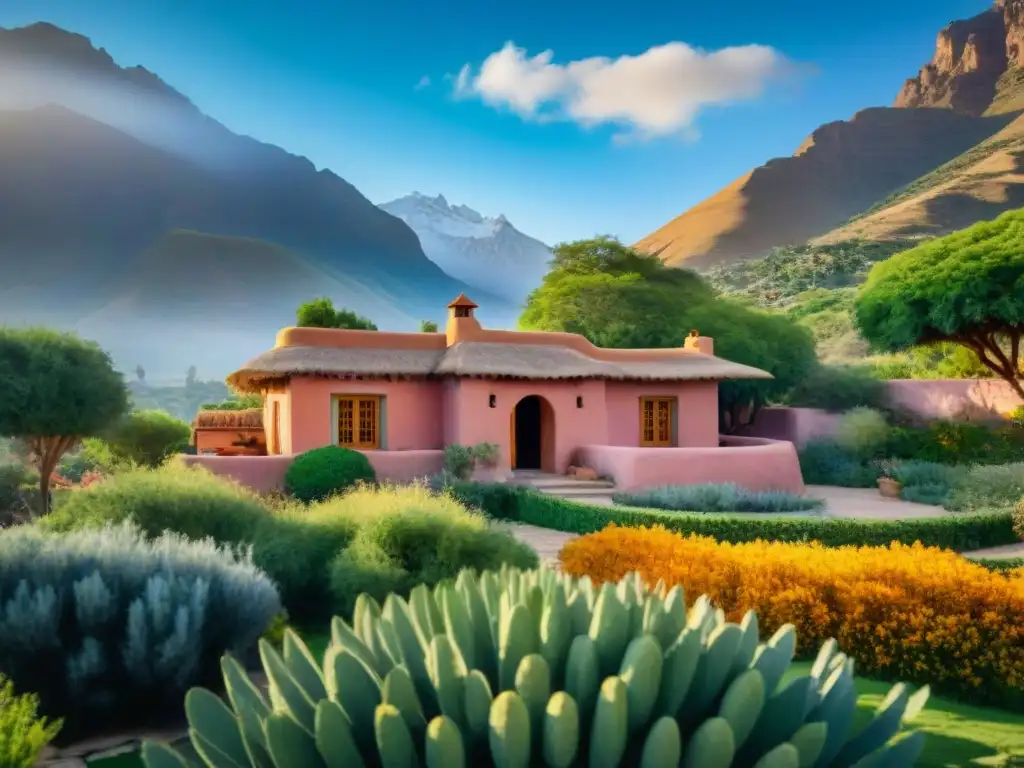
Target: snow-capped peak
(435, 213)
(488, 253)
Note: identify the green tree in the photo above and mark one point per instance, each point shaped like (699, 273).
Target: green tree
(320, 313)
(55, 389)
(618, 298)
(966, 288)
(428, 326)
(147, 437)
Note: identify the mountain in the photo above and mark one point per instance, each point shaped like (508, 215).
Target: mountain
(484, 253)
(947, 153)
(103, 169)
(840, 170)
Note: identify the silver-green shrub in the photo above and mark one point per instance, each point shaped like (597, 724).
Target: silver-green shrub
(109, 626)
(718, 497)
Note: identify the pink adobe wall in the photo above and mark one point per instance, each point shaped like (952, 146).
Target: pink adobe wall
(697, 414)
(261, 473)
(266, 473)
(953, 399)
(470, 419)
(758, 465)
(412, 412)
(797, 425)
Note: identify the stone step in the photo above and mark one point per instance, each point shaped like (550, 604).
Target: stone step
(568, 491)
(558, 481)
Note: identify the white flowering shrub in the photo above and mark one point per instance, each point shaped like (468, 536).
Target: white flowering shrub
(109, 627)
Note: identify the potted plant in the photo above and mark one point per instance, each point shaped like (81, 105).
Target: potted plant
(888, 479)
(485, 463)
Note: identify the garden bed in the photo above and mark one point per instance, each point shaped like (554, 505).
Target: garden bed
(961, 533)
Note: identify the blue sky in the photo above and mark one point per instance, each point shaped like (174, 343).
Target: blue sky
(337, 82)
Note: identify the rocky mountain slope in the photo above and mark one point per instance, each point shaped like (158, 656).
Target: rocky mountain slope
(946, 154)
(101, 165)
(840, 170)
(485, 253)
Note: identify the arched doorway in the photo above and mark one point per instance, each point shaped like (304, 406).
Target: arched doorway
(533, 434)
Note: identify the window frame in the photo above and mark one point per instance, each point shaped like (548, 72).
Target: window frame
(275, 426)
(357, 399)
(673, 404)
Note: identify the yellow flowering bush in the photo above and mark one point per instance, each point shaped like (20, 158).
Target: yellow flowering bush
(910, 613)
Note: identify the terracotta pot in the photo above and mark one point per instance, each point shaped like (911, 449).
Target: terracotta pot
(889, 488)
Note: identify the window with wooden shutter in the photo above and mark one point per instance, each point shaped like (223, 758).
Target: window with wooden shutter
(359, 422)
(656, 421)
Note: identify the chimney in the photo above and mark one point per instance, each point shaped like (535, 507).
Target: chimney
(697, 343)
(462, 326)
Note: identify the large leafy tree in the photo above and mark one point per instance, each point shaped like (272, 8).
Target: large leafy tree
(55, 389)
(966, 288)
(617, 297)
(320, 313)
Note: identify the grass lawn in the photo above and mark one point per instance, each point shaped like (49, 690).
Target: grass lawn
(958, 736)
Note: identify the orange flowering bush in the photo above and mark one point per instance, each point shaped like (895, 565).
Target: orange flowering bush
(910, 613)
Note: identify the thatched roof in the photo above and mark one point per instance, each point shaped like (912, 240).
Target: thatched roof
(248, 418)
(483, 359)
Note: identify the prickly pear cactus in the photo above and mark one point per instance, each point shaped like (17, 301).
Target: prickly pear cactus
(534, 668)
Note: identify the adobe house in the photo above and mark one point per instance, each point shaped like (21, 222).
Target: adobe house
(641, 416)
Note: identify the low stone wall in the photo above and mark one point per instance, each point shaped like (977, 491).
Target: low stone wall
(266, 473)
(754, 463)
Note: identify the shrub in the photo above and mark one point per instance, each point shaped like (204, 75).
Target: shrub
(23, 733)
(1004, 565)
(1018, 519)
(824, 462)
(837, 389)
(106, 625)
(295, 546)
(958, 443)
(147, 437)
(935, 495)
(961, 533)
(517, 669)
(911, 613)
(863, 432)
(408, 535)
(1017, 416)
(12, 477)
(717, 498)
(986, 487)
(323, 472)
(458, 460)
(486, 454)
(187, 500)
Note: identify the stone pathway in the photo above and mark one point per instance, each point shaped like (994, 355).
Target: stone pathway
(996, 553)
(869, 504)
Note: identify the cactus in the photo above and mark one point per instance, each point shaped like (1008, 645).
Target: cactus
(534, 668)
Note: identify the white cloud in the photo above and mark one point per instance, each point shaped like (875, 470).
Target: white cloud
(424, 82)
(657, 93)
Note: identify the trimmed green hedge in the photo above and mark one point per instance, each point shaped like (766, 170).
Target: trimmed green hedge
(1000, 564)
(961, 533)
